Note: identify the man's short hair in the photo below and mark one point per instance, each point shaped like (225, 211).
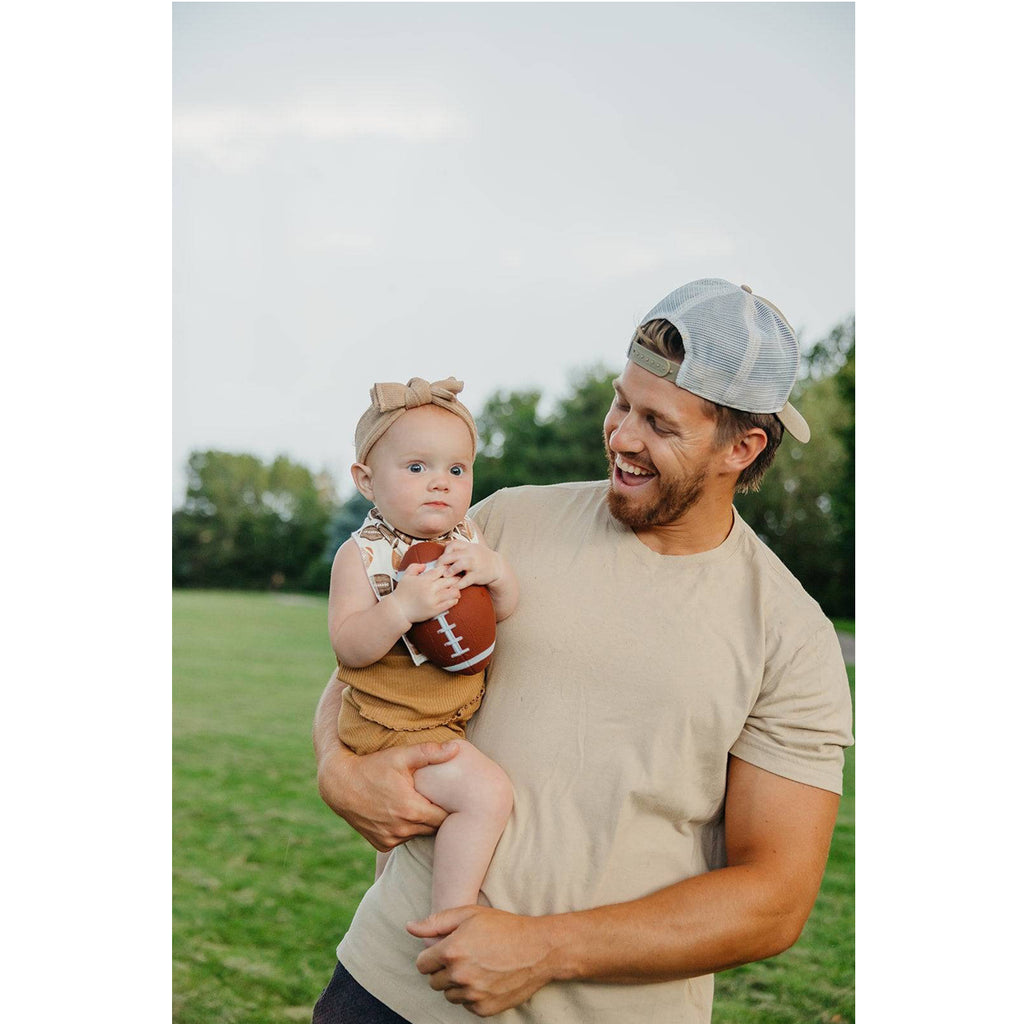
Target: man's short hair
(661, 337)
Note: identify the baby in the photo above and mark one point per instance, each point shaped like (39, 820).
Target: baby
(414, 448)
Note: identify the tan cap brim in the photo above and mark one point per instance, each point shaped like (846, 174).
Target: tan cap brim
(794, 423)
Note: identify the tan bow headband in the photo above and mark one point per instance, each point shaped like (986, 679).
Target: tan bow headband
(391, 400)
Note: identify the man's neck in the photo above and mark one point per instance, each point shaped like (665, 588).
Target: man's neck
(702, 527)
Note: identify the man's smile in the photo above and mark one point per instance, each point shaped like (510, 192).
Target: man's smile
(630, 474)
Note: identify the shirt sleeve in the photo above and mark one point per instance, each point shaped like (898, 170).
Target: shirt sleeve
(481, 514)
(802, 718)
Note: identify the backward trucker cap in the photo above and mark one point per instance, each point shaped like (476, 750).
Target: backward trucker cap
(740, 350)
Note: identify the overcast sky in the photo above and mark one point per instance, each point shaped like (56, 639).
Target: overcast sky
(372, 192)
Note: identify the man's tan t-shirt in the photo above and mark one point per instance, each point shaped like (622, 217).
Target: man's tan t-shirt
(617, 691)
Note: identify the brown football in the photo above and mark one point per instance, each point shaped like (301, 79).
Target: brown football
(461, 639)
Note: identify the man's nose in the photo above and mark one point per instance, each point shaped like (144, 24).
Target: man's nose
(624, 437)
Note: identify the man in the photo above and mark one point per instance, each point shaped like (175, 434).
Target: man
(670, 706)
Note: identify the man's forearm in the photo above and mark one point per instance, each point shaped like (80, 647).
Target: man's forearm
(777, 836)
(705, 924)
(491, 960)
(777, 840)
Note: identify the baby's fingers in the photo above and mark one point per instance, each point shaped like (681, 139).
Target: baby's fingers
(446, 561)
(454, 567)
(470, 578)
(427, 575)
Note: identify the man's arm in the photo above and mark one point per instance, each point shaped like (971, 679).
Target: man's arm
(777, 836)
(374, 793)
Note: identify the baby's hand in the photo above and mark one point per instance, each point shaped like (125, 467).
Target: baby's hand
(481, 565)
(423, 593)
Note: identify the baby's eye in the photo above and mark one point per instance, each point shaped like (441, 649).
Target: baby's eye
(457, 471)
(416, 467)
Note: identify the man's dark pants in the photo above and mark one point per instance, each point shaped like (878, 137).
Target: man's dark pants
(345, 1001)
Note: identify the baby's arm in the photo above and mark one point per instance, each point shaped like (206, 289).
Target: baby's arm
(486, 568)
(364, 629)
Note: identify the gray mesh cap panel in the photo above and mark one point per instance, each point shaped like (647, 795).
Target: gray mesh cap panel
(740, 351)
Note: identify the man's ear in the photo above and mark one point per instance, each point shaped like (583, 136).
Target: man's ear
(362, 477)
(742, 452)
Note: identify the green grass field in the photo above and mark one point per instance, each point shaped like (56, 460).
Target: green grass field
(266, 878)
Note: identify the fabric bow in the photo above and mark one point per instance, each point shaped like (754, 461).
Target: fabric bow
(390, 400)
(388, 397)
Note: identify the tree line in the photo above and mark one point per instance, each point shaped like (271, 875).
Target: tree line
(250, 524)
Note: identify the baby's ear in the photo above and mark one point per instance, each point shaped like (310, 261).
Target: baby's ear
(362, 477)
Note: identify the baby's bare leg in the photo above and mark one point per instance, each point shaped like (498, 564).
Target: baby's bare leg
(478, 797)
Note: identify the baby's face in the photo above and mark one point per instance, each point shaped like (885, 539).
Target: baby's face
(421, 472)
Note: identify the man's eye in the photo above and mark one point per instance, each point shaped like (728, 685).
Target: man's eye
(416, 467)
(457, 471)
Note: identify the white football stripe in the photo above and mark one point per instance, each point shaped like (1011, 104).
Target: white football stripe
(427, 567)
(444, 628)
(470, 663)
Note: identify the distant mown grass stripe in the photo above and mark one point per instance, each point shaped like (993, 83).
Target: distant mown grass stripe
(266, 879)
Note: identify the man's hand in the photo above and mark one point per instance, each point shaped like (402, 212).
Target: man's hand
(487, 960)
(375, 794)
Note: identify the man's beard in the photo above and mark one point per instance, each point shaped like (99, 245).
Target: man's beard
(674, 498)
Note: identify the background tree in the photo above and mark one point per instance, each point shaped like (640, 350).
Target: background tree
(247, 524)
(804, 510)
(518, 445)
(349, 516)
